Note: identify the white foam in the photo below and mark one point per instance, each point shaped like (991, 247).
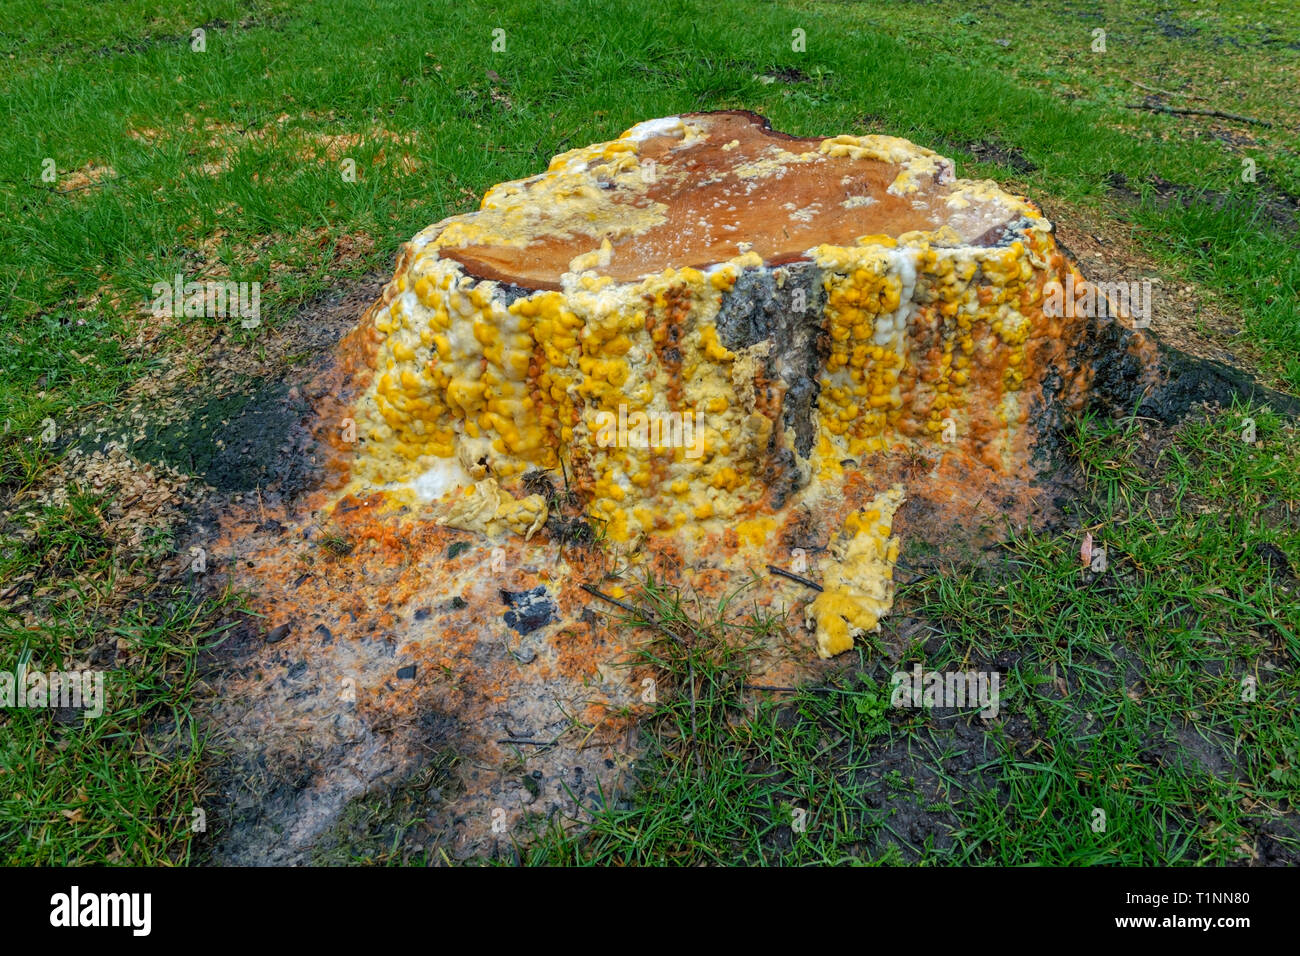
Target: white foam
(666, 126)
(446, 476)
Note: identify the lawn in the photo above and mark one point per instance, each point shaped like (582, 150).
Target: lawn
(297, 145)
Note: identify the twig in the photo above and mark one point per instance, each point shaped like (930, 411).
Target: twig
(612, 600)
(790, 690)
(918, 574)
(806, 582)
(1156, 89)
(518, 741)
(594, 728)
(1219, 113)
(812, 689)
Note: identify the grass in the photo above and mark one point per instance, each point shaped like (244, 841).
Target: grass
(228, 163)
(1160, 648)
(122, 786)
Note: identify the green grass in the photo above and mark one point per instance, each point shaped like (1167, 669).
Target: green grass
(121, 786)
(224, 165)
(1156, 647)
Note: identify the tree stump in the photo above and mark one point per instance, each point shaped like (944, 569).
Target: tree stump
(715, 334)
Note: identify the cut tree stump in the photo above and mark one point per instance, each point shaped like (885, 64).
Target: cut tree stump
(707, 324)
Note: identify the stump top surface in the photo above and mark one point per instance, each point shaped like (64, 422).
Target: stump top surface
(701, 189)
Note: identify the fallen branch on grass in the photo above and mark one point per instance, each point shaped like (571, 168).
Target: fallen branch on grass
(1219, 113)
(1156, 89)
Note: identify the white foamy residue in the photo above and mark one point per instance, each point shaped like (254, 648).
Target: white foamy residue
(447, 475)
(655, 127)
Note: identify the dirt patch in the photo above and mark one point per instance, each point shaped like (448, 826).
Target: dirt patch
(1276, 841)
(223, 442)
(1186, 316)
(143, 45)
(217, 141)
(992, 151)
(782, 74)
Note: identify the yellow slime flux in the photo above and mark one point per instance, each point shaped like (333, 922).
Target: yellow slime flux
(511, 387)
(928, 340)
(974, 300)
(508, 388)
(857, 576)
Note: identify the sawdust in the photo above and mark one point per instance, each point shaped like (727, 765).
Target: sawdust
(92, 174)
(217, 141)
(137, 506)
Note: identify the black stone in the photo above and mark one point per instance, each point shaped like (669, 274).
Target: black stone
(529, 610)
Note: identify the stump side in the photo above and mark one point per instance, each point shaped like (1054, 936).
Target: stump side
(697, 395)
(777, 391)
